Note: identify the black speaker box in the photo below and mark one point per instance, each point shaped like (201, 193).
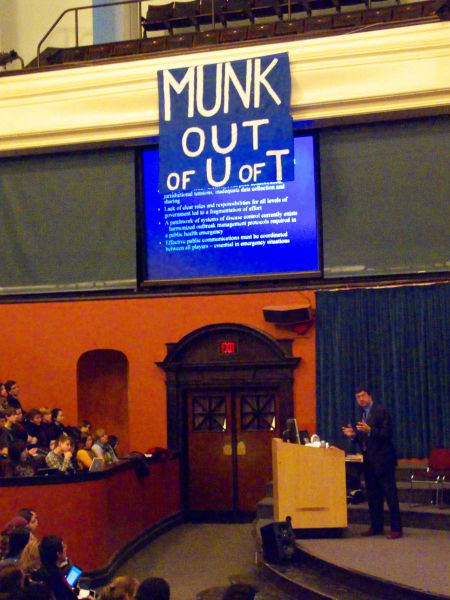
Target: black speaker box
(278, 541)
(288, 315)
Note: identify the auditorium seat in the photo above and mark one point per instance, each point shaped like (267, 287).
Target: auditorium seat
(99, 51)
(266, 8)
(184, 14)
(408, 11)
(158, 18)
(183, 40)
(207, 38)
(4, 467)
(74, 54)
(291, 7)
(319, 5)
(347, 19)
(437, 474)
(156, 44)
(377, 15)
(237, 10)
(125, 48)
(233, 34)
(290, 27)
(363, 4)
(260, 31)
(429, 8)
(319, 23)
(206, 9)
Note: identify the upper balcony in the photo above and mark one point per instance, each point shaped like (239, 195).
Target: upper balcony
(204, 25)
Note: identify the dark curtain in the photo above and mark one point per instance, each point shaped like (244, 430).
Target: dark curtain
(396, 341)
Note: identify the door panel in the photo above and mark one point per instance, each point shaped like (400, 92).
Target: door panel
(210, 452)
(256, 425)
(230, 457)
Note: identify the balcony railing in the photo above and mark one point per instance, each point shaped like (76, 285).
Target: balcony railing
(76, 11)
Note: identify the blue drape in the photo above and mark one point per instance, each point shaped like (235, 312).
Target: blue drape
(396, 341)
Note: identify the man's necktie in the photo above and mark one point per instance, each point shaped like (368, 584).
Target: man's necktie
(364, 420)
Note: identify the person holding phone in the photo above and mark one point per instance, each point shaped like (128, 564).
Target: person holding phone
(52, 552)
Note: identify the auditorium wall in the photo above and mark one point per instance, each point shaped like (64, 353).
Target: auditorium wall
(371, 73)
(25, 22)
(43, 341)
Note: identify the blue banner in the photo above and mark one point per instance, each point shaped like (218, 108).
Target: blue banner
(225, 124)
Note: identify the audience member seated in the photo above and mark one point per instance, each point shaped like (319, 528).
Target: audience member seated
(30, 560)
(3, 395)
(57, 427)
(16, 521)
(52, 552)
(102, 448)
(11, 582)
(10, 431)
(121, 588)
(21, 463)
(61, 456)
(33, 425)
(240, 591)
(46, 424)
(31, 519)
(13, 393)
(25, 517)
(3, 447)
(13, 586)
(113, 441)
(85, 454)
(153, 588)
(21, 431)
(17, 540)
(85, 427)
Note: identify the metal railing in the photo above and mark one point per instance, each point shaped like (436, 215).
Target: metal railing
(76, 12)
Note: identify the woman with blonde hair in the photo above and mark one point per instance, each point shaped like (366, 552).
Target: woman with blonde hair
(102, 448)
(29, 559)
(121, 588)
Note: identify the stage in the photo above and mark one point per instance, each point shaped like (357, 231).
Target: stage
(415, 566)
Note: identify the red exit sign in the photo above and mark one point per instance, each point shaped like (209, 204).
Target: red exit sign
(228, 347)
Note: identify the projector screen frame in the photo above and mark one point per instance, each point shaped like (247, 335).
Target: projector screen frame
(183, 283)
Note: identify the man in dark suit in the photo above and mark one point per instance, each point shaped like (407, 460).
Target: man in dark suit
(374, 436)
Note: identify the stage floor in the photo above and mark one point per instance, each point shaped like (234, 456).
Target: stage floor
(419, 560)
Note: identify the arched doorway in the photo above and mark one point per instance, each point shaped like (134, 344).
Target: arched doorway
(102, 383)
(229, 392)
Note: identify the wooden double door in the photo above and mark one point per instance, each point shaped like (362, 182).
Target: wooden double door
(229, 438)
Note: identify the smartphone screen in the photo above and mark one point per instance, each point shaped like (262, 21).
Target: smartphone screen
(73, 575)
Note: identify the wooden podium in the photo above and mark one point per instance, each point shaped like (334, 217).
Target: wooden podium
(309, 485)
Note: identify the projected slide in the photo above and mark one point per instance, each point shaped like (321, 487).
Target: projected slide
(248, 230)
